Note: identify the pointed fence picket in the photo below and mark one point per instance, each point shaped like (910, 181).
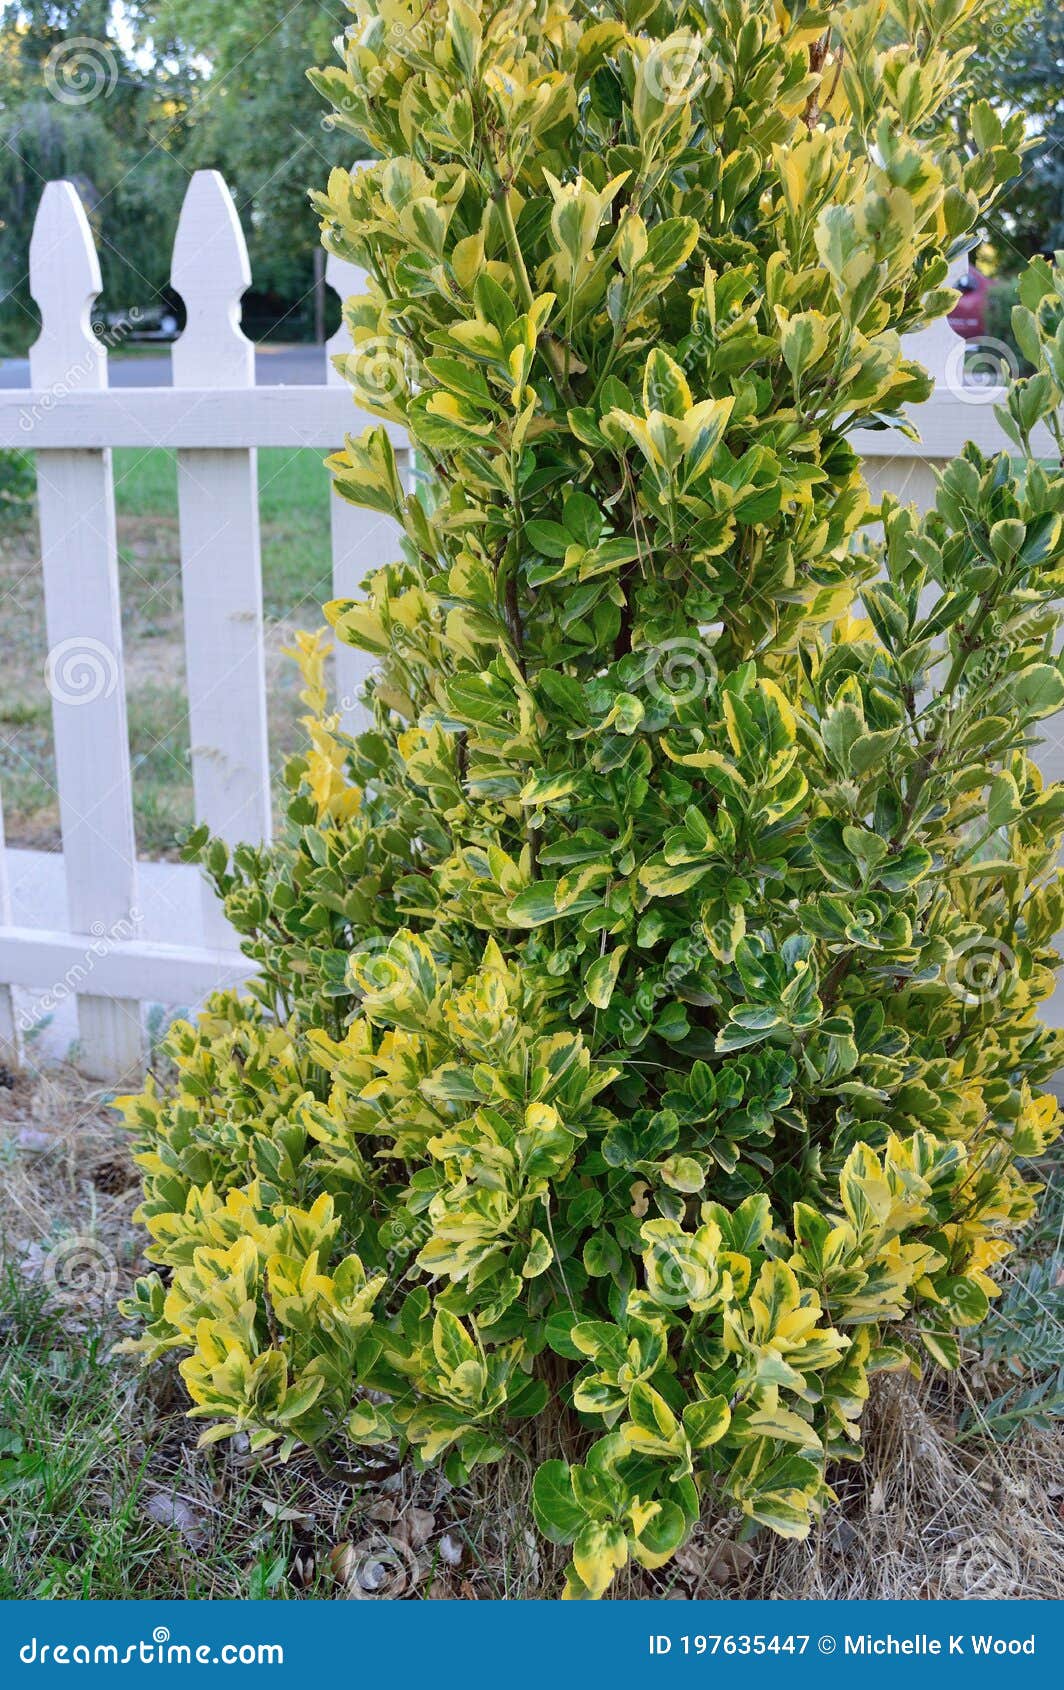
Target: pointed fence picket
(214, 416)
(79, 558)
(218, 509)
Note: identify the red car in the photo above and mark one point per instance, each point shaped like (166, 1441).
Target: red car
(968, 317)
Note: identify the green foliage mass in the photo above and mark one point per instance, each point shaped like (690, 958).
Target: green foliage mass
(646, 1036)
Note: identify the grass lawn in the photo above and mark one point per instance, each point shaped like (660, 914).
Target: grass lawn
(294, 499)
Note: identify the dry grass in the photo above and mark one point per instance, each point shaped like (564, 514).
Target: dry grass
(926, 1518)
(105, 1493)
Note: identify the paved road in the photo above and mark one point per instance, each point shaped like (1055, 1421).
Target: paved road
(284, 366)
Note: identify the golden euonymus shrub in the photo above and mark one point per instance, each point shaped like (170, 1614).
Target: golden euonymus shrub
(645, 1035)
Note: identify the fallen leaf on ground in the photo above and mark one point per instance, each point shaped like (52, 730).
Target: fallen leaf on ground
(416, 1526)
(167, 1508)
(450, 1550)
(278, 1511)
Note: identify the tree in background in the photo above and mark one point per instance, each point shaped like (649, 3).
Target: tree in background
(1029, 74)
(128, 112)
(1017, 62)
(257, 120)
(74, 103)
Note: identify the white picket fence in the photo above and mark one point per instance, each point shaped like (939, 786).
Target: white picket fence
(214, 417)
(116, 933)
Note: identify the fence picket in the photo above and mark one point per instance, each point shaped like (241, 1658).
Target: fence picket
(221, 575)
(361, 539)
(85, 669)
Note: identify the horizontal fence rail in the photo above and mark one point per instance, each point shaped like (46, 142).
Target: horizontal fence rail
(91, 939)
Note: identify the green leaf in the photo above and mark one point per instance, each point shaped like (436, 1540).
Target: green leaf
(905, 868)
(602, 1256)
(550, 538)
(557, 1513)
(464, 28)
(682, 1173)
(1039, 690)
(1003, 805)
(662, 1535)
(535, 905)
(582, 519)
(706, 1422)
(599, 1552)
(803, 341)
(941, 1347)
(665, 385)
(451, 1342)
(558, 1328)
(601, 977)
(540, 1255)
